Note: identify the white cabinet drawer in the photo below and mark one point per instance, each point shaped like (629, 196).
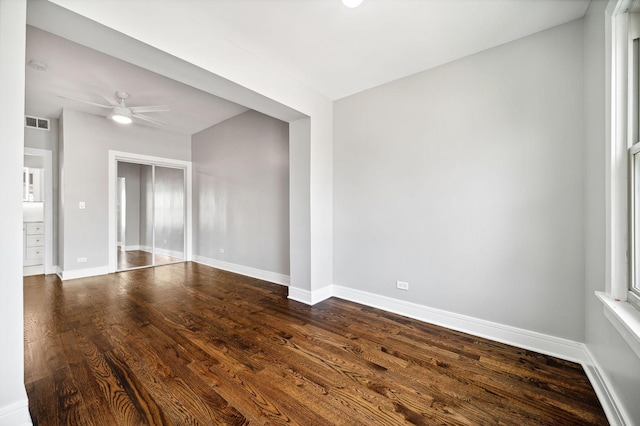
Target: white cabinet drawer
(35, 228)
(35, 240)
(35, 253)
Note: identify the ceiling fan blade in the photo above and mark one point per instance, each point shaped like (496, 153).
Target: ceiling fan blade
(149, 119)
(150, 108)
(106, 95)
(83, 101)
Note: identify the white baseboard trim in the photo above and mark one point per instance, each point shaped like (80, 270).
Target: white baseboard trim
(15, 414)
(546, 344)
(54, 270)
(147, 249)
(616, 414)
(310, 298)
(172, 253)
(32, 270)
(261, 274)
(83, 273)
(526, 339)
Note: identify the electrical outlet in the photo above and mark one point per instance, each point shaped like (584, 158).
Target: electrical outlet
(82, 260)
(221, 250)
(402, 285)
(82, 205)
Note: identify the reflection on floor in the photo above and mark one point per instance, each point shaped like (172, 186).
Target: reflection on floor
(137, 258)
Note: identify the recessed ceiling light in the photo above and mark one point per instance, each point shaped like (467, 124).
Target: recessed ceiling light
(352, 3)
(37, 65)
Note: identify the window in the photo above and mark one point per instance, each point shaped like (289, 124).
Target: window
(622, 289)
(634, 224)
(633, 119)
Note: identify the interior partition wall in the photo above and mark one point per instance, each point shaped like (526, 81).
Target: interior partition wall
(149, 211)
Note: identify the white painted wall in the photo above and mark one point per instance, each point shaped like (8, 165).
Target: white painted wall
(86, 141)
(617, 362)
(13, 398)
(466, 181)
(241, 192)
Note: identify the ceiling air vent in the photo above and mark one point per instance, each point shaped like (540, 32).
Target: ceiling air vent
(36, 123)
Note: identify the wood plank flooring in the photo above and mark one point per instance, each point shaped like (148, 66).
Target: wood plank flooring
(138, 258)
(189, 344)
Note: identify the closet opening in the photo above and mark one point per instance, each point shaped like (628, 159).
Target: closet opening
(149, 205)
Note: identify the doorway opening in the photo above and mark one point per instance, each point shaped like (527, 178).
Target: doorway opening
(37, 211)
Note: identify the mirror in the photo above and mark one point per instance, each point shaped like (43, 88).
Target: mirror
(134, 215)
(150, 215)
(33, 179)
(169, 214)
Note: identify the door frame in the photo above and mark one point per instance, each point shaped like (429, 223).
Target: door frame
(114, 157)
(47, 157)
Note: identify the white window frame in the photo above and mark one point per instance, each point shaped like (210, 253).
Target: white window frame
(633, 291)
(622, 314)
(633, 118)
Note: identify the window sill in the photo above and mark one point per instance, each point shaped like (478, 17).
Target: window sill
(625, 318)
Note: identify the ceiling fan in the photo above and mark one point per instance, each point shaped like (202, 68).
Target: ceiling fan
(120, 112)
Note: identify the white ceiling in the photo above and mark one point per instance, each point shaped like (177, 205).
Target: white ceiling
(340, 51)
(333, 49)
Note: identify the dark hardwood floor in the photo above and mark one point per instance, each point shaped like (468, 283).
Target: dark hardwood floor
(138, 258)
(189, 344)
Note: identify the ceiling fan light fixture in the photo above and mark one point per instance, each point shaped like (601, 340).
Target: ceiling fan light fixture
(121, 115)
(122, 119)
(352, 3)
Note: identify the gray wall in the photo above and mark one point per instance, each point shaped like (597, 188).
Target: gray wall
(131, 174)
(618, 362)
(241, 192)
(467, 182)
(42, 139)
(169, 211)
(146, 207)
(86, 141)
